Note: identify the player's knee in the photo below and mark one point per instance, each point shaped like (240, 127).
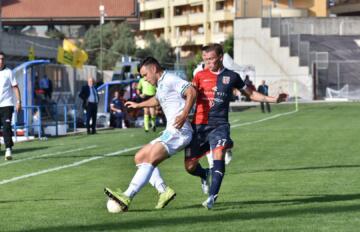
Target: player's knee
(139, 158)
(190, 166)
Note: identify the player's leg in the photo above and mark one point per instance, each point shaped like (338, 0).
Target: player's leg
(152, 112)
(7, 132)
(88, 117)
(268, 107)
(146, 119)
(210, 159)
(146, 160)
(196, 149)
(262, 107)
(219, 140)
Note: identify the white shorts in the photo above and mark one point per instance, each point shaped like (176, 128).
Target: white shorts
(174, 140)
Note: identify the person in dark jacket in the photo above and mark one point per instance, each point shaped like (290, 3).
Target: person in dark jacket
(90, 99)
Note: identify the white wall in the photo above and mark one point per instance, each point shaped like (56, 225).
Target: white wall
(254, 46)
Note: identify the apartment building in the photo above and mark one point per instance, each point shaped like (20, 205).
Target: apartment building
(345, 7)
(281, 8)
(186, 24)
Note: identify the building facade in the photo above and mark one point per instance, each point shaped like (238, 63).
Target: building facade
(72, 18)
(345, 7)
(281, 8)
(186, 24)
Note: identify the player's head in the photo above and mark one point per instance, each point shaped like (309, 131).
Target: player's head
(214, 57)
(149, 68)
(2, 60)
(203, 53)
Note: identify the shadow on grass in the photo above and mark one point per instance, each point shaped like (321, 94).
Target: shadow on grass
(18, 151)
(82, 156)
(295, 201)
(314, 199)
(303, 168)
(212, 217)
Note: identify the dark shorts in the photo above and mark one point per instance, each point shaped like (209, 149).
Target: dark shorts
(146, 97)
(206, 138)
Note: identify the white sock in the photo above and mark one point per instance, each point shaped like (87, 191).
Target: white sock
(140, 179)
(210, 159)
(157, 181)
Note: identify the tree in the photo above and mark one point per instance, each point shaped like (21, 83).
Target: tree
(118, 40)
(191, 65)
(229, 45)
(159, 49)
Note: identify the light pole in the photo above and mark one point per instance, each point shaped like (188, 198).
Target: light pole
(1, 24)
(102, 14)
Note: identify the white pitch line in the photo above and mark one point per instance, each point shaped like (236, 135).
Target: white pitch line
(47, 155)
(262, 120)
(78, 163)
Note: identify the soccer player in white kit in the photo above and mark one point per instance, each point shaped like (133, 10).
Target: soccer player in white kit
(176, 97)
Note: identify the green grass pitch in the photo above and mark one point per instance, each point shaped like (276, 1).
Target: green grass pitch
(294, 172)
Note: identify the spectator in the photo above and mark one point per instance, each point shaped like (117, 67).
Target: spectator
(264, 89)
(117, 110)
(90, 99)
(46, 85)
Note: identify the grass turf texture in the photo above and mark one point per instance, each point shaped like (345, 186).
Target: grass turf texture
(298, 172)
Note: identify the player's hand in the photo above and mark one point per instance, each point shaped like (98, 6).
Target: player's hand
(179, 121)
(131, 104)
(282, 97)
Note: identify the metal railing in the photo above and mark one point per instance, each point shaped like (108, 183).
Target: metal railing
(34, 119)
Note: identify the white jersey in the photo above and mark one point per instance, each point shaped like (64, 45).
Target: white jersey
(170, 94)
(7, 82)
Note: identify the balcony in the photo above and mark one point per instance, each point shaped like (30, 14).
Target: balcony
(195, 19)
(222, 15)
(151, 24)
(180, 41)
(180, 2)
(180, 20)
(151, 5)
(195, 2)
(219, 37)
(198, 39)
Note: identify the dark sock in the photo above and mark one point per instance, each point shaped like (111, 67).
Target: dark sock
(218, 172)
(199, 171)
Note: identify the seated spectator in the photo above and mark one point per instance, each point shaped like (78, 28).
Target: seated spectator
(117, 110)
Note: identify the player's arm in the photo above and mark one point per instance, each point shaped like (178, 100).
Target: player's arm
(18, 98)
(151, 102)
(258, 97)
(190, 98)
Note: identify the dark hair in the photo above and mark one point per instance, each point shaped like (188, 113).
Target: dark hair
(2, 53)
(149, 61)
(204, 48)
(217, 48)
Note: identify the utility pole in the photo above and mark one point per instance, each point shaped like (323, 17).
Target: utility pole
(1, 29)
(102, 14)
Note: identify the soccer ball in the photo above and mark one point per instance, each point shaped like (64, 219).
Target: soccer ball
(112, 206)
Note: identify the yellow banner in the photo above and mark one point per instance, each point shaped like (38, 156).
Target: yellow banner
(70, 54)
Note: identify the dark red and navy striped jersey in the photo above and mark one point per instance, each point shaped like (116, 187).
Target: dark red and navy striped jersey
(214, 94)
